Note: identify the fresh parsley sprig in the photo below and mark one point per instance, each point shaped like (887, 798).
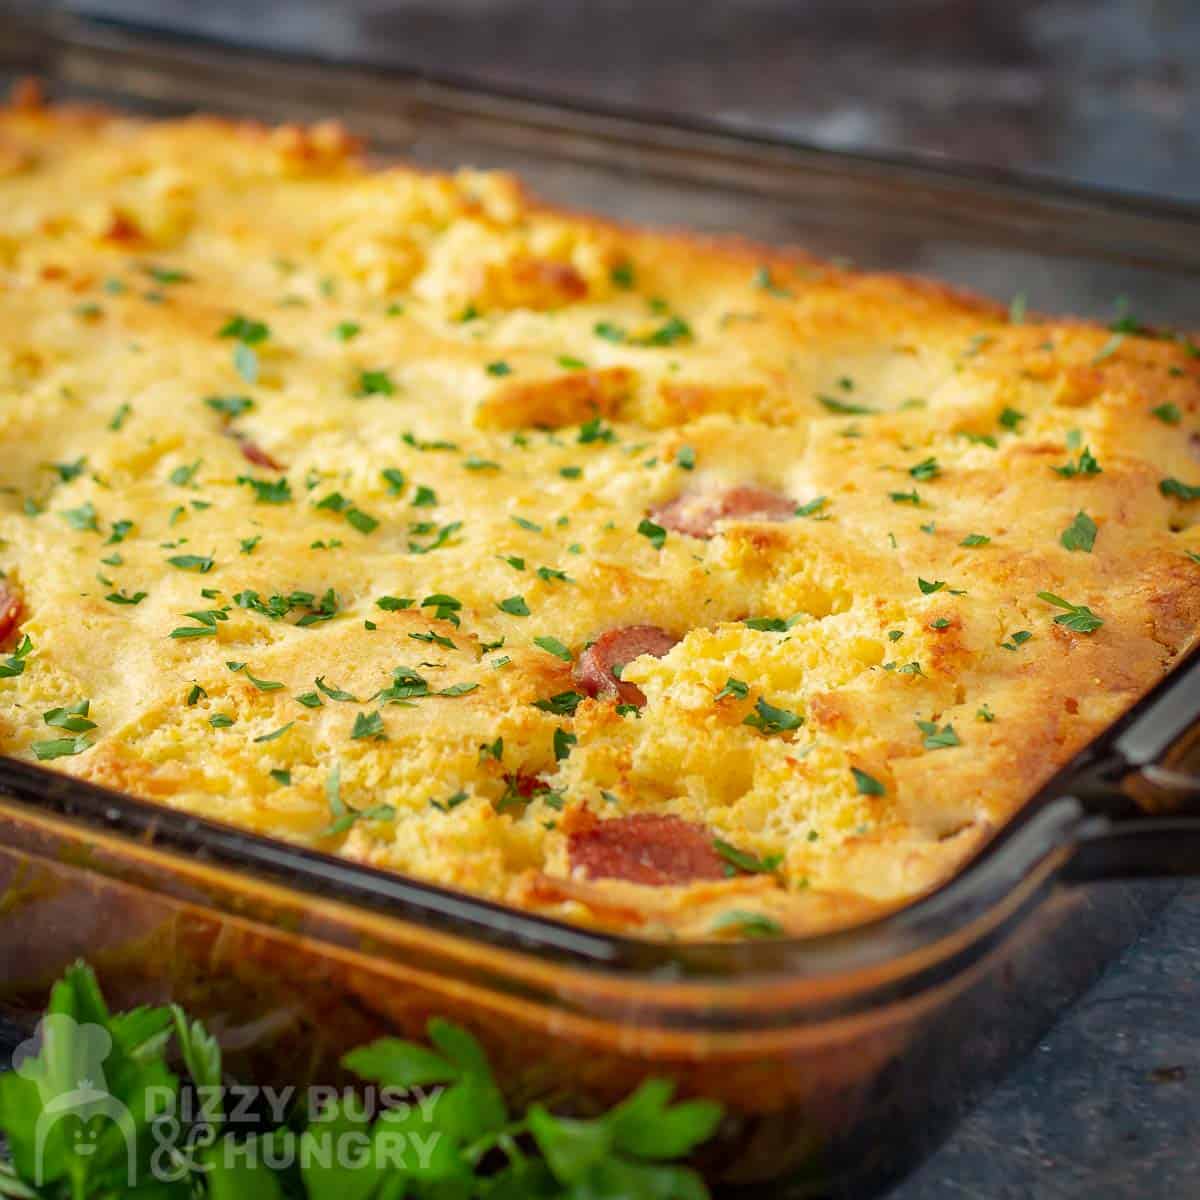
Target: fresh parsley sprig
(476, 1146)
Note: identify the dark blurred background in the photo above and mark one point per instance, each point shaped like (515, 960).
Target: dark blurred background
(1106, 91)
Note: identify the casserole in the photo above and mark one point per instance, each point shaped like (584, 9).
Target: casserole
(243, 927)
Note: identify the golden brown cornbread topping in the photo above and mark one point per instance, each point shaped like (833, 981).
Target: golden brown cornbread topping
(646, 581)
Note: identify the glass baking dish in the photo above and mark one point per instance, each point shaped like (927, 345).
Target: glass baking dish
(841, 1058)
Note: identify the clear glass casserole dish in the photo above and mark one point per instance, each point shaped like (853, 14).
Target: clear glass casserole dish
(841, 1057)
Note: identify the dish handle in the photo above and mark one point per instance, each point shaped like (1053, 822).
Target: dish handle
(1139, 792)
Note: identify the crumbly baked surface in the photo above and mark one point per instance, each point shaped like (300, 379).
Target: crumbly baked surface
(319, 481)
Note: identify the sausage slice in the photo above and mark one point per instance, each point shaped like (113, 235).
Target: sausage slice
(645, 848)
(10, 613)
(253, 452)
(697, 513)
(599, 666)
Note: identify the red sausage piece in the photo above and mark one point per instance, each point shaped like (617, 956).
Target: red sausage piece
(253, 452)
(599, 665)
(697, 513)
(646, 848)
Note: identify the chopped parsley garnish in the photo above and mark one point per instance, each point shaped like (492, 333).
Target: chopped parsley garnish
(563, 741)
(771, 624)
(745, 861)
(746, 924)
(333, 693)
(220, 721)
(346, 331)
(813, 507)
(912, 497)
(394, 478)
(1179, 489)
(229, 406)
(266, 491)
(450, 803)
(118, 532)
(275, 734)
(514, 606)
(82, 518)
(867, 785)
(165, 276)
(368, 725)
(200, 563)
(595, 430)
(975, 539)
(281, 776)
(1080, 534)
(570, 363)
(119, 417)
(263, 685)
(983, 713)
(375, 383)
(1078, 617)
(527, 524)
(768, 719)
(425, 497)
(938, 739)
(394, 603)
(60, 747)
(1085, 464)
(1168, 414)
(685, 458)
(121, 598)
(1011, 419)
(73, 718)
(442, 538)
(245, 330)
(843, 407)
(1016, 640)
(68, 471)
(195, 694)
(656, 535)
(553, 646)
(622, 275)
(14, 664)
(927, 468)
(498, 368)
(563, 704)
(570, 472)
(928, 588)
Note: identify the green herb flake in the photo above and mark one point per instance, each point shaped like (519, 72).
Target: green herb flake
(1168, 414)
(367, 725)
(515, 606)
(938, 739)
(1179, 490)
(1080, 534)
(746, 924)
(975, 539)
(375, 383)
(735, 688)
(121, 598)
(742, 860)
(656, 535)
(769, 720)
(867, 785)
(1077, 617)
(199, 563)
(499, 368)
(553, 646)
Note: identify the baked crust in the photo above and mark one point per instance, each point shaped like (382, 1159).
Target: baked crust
(495, 394)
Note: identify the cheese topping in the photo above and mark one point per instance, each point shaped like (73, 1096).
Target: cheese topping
(655, 583)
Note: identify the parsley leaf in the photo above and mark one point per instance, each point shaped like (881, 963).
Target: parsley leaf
(744, 861)
(768, 719)
(1085, 464)
(867, 785)
(656, 535)
(266, 492)
(514, 606)
(1180, 490)
(199, 563)
(938, 739)
(1077, 617)
(1080, 534)
(733, 687)
(553, 646)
